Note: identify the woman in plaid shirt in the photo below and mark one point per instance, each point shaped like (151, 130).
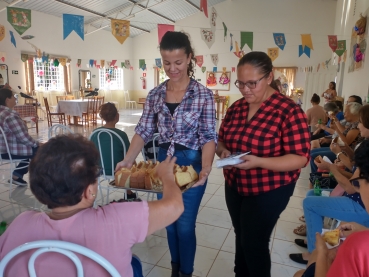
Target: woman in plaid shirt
(275, 130)
(183, 111)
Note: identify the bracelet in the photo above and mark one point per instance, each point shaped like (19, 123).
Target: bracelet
(338, 155)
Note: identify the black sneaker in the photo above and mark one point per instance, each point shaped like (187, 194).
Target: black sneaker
(132, 196)
(19, 182)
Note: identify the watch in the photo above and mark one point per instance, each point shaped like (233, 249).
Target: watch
(338, 155)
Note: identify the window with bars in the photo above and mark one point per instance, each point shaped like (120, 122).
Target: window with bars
(111, 78)
(47, 76)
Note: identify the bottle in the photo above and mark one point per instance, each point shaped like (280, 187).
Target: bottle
(319, 121)
(317, 188)
(2, 227)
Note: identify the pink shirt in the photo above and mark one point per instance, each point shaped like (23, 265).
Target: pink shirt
(110, 231)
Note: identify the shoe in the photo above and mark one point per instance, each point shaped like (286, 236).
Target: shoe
(301, 242)
(298, 258)
(132, 195)
(19, 182)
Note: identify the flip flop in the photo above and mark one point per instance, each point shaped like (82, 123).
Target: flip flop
(302, 218)
(301, 230)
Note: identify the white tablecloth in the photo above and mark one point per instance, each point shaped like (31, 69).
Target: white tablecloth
(73, 107)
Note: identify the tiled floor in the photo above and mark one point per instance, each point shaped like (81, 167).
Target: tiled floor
(215, 236)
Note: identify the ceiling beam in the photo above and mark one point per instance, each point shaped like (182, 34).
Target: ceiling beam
(80, 8)
(11, 4)
(192, 4)
(150, 10)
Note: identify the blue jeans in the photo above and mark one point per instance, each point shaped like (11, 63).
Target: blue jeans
(181, 234)
(20, 172)
(136, 266)
(323, 151)
(341, 208)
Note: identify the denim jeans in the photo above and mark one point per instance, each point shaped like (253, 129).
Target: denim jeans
(136, 266)
(20, 172)
(322, 151)
(181, 234)
(340, 208)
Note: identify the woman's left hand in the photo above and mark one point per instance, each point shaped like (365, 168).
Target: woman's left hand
(335, 148)
(320, 245)
(322, 165)
(249, 161)
(204, 174)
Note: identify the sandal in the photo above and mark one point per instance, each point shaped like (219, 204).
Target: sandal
(301, 230)
(302, 218)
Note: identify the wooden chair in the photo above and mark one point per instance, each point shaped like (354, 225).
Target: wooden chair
(100, 100)
(69, 97)
(91, 114)
(34, 103)
(61, 116)
(142, 101)
(60, 98)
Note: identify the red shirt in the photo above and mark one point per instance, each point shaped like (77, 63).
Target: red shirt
(278, 128)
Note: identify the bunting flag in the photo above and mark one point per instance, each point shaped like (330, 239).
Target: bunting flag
(203, 69)
(327, 63)
(199, 60)
(24, 57)
(231, 46)
(318, 67)
(2, 56)
(158, 62)
(341, 47)
(344, 55)
(239, 53)
(208, 36)
(56, 62)
(306, 41)
(108, 63)
(71, 23)
(95, 62)
(213, 18)
(27, 37)
(332, 42)
(323, 65)
(120, 29)
(280, 40)
(214, 58)
(233, 69)
(128, 64)
(2, 32)
(112, 64)
(162, 29)
(142, 64)
(122, 64)
(44, 58)
(131, 68)
(12, 39)
(304, 50)
(224, 69)
(273, 53)
(79, 62)
(204, 7)
(19, 18)
(215, 69)
(102, 63)
(98, 66)
(247, 38)
(63, 61)
(91, 63)
(225, 30)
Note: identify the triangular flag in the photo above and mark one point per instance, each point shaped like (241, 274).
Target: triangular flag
(215, 69)
(280, 40)
(306, 41)
(122, 65)
(12, 39)
(273, 53)
(120, 29)
(199, 60)
(79, 62)
(332, 42)
(233, 69)
(102, 63)
(24, 57)
(158, 62)
(19, 18)
(204, 7)
(305, 50)
(203, 69)
(213, 18)
(225, 30)
(142, 64)
(247, 38)
(162, 29)
(208, 36)
(214, 58)
(113, 62)
(341, 47)
(71, 23)
(2, 32)
(91, 63)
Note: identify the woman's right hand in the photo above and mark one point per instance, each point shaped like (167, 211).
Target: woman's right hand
(347, 229)
(224, 154)
(123, 164)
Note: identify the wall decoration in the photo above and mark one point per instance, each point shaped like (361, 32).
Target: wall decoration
(214, 58)
(24, 57)
(120, 29)
(142, 64)
(273, 53)
(239, 53)
(199, 60)
(203, 69)
(19, 18)
(12, 39)
(71, 23)
(63, 61)
(218, 80)
(162, 29)
(204, 7)
(306, 41)
(225, 30)
(208, 36)
(215, 69)
(233, 69)
(332, 42)
(358, 45)
(304, 50)
(27, 37)
(279, 40)
(44, 58)
(2, 56)
(2, 32)
(341, 47)
(158, 62)
(79, 62)
(213, 18)
(122, 64)
(127, 63)
(91, 63)
(231, 43)
(113, 62)
(247, 38)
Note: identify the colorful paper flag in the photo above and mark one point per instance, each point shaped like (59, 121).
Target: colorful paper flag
(113, 63)
(2, 56)
(199, 60)
(19, 18)
(208, 36)
(306, 41)
(122, 65)
(162, 29)
(213, 18)
(2, 32)
(215, 69)
(341, 47)
(71, 23)
(24, 57)
(142, 64)
(204, 7)
(63, 61)
(127, 63)
(158, 62)
(247, 38)
(120, 29)
(231, 46)
(280, 40)
(332, 42)
(225, 30)
(304, 50)
(12, 39)
(233, 69)
(273, 53)
(91, 63)
(214, 58)
(44, 58)
(79, 62)
(203, 69)
(102, 63)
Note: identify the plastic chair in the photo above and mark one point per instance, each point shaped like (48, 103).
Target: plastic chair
(104, 176)
(58, 129)
(128, 100)
(62, 247)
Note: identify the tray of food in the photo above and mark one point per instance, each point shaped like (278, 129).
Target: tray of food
(143, 177)
(332, 238)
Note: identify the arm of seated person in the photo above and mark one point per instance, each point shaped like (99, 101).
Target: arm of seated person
(348, 228)
(165, 211)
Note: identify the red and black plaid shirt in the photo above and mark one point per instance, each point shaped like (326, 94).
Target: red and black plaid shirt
(278, 128)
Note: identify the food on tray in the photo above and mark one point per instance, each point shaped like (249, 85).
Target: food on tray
(332, 237)
(317, 159)
(143, 176)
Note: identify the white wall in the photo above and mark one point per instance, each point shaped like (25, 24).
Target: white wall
(356, 82)
(263, 17)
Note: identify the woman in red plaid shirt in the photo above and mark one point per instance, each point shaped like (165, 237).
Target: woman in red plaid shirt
(275, 130)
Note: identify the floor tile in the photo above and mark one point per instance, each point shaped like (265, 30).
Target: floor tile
(229, 243)
(280, 270)
(292, 215)
(146, 268)
(205, 199)
(284, 231)
(159, 272)
(223, 265)
(210, 236)
(211, 188)
(220, 191)
(217, 202)
(216, 179)
(280, 251)
(214, 217)
(300, 191)
(295, 202)
(152, 249)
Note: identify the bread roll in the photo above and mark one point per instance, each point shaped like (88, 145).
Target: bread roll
(122, 177)
(317, 159)
(185, 175)
(332, 237)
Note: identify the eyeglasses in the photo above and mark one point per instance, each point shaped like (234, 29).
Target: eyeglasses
(250, 84)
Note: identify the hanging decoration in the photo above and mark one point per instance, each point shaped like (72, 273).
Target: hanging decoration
(2, 56)
(224, 79)
(360, 25)
(27, 37)
(12, 39)
(304, 50)
(120, 29)
(233, 69)
(203, 69)
(341, 47)
(162, 29)
(122, 65)
(56, 62)
(332, 41)
(215, 69)
(142, 64)
(112, 64)
(19, 18)
(158, 62)
(318, 67)
(273, 53)
(204, 7)
(208, 36)
(306, 41)
(239, 53)
(199, 60)
(91, 63)
(2, 32)
(71, 23)
(225, 30)
(127, 63)
(247, 38)
(44, 58)
(95, 62)
(79, 62)
(214, 58)
(24, 57)
(102, 63)
(63, 61)
(358, 44)
(38, 50)
(327, 63)
(280, 40)
(231, 45)
(213, 18)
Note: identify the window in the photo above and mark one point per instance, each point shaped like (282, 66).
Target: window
(47, 76)
(159, 75)
(111, 78)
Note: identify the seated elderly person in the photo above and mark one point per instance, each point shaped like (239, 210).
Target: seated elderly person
(21, 144)
(66, 181)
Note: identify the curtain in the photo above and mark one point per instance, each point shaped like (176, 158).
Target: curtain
(290, 73)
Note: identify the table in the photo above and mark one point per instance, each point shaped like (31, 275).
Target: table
(220, 100)
(73, 108)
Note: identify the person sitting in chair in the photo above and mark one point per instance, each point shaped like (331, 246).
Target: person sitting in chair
(66, 181)
(21, 144)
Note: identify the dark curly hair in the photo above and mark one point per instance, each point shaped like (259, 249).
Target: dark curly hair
(357, 99)
(62, 169)
(261, 61)
(5, 94)
(361, 159)
(315, 98)
(334, 85)
(108, 111)
(179, 40)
